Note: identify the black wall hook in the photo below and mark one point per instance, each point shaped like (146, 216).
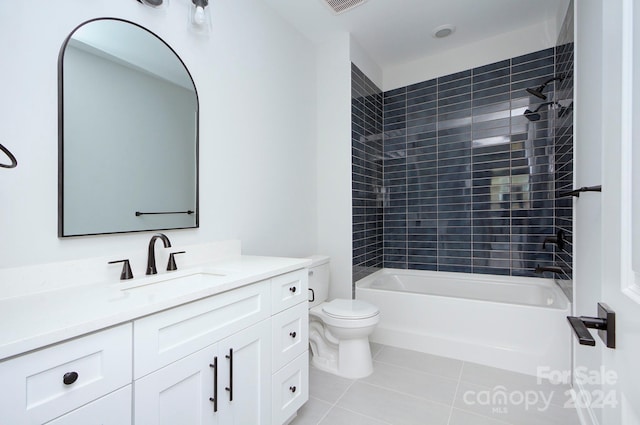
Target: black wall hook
(14, 162)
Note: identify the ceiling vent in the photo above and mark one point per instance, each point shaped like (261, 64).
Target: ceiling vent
(341, 6)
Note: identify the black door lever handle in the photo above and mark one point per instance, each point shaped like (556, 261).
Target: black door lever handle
(605, 323)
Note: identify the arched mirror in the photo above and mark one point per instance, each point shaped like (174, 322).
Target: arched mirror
(128, 132)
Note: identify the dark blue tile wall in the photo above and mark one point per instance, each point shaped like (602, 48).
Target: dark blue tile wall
(468, 180)
(367, 184)
(449, 175)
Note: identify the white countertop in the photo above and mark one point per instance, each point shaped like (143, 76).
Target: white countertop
(35, 320)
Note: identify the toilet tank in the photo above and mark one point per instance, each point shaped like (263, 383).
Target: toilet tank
(318, 280)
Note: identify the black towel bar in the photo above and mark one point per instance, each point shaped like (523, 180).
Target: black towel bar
(138, 213)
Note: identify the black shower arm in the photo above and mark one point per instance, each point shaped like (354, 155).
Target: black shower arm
(559, 78)
(545, 104)
(14, 162)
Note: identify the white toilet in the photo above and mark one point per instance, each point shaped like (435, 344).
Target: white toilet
(338, 330)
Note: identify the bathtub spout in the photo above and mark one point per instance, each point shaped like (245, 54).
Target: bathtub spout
(540, 269)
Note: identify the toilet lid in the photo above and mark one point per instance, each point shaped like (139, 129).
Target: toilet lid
(350, 309)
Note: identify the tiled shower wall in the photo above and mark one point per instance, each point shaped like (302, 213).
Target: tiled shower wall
(468, 182)
(366, 148)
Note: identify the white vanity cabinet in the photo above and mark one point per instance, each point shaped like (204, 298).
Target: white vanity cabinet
(46, 384)
(214, 361)
(224, 383)
(205, 362)
(236, 357)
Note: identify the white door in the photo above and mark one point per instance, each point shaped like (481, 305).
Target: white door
(245, 380)
(607, 261)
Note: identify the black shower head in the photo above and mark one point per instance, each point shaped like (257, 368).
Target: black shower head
(531, 115)
(534, 115)
(537, 92)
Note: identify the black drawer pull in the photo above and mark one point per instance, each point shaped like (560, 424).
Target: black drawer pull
(293, 289)
(292, 334)
(230, 387)
(70, 377)
(214, 399)
(292, 389)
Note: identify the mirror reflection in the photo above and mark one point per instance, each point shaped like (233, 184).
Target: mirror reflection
(128, 133)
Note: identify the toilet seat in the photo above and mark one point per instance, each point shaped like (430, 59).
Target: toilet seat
(349, 309)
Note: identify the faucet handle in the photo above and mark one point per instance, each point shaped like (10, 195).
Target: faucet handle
(171, 265)
(126, 269)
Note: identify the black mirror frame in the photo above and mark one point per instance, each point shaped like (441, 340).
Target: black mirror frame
(61, 135)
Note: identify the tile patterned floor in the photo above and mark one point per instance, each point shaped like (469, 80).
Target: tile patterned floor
(411, 388)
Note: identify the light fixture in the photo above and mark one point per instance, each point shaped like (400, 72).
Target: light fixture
(199, 18)
(158, 4)
(443, 31)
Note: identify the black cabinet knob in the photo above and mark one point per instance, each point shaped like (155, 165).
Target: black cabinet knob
(292, 334)
(293, 289)
(70, 377)
(292, 389)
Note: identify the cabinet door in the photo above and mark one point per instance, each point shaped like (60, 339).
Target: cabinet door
(112, 409)
(245, 383)
(180, 393)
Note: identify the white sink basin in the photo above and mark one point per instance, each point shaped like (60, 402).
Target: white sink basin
(192, 280)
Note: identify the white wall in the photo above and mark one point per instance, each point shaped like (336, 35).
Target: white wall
(334, 161)
(367, 65)
(587, 234)
(483, 52)
(255, 77)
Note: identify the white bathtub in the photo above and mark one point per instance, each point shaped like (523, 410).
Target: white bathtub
(514, 323)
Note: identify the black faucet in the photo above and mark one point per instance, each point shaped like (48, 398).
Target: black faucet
(541, 269)
(151, 259)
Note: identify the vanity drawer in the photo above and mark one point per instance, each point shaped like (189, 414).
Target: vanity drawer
(289, 289)
(165, 337)
(290, 335)
(45, 384)
(290, 389)
(112, 409)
